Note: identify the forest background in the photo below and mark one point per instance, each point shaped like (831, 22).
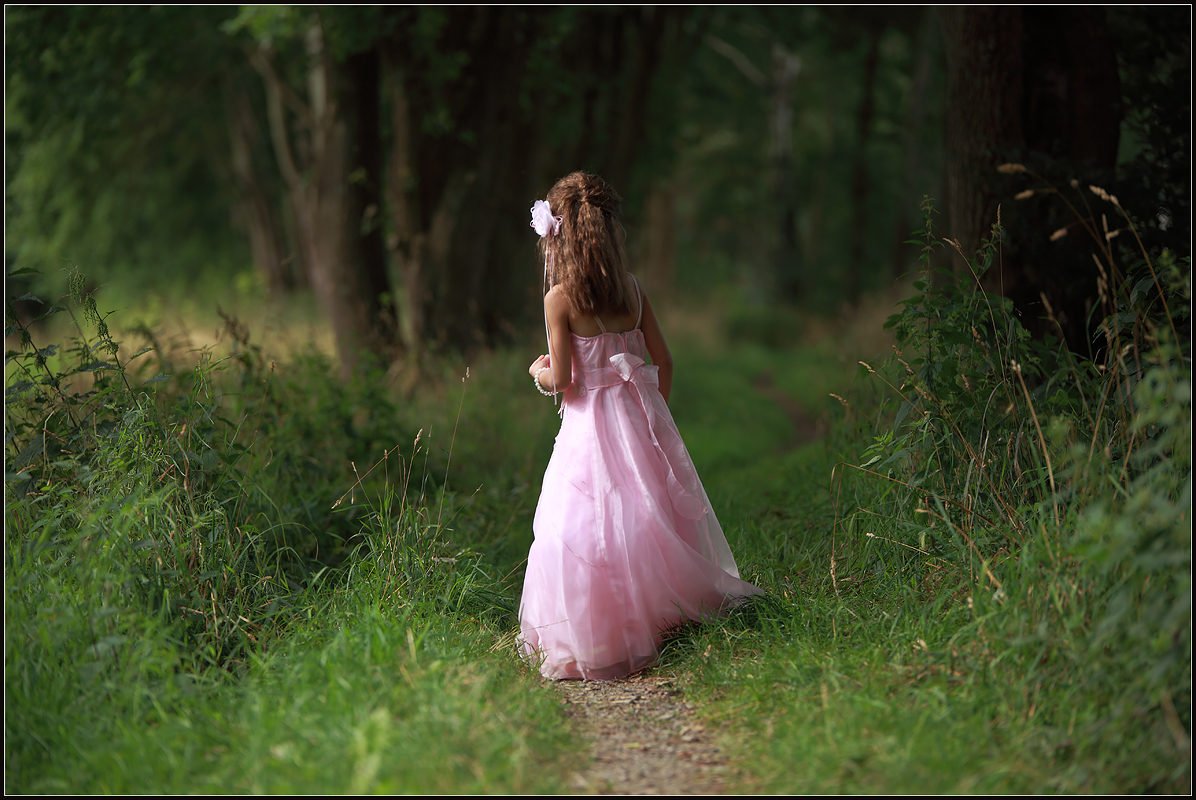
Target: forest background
(342, 194)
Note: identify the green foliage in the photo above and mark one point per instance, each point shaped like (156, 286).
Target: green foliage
(1057, 490)
(115, 142)
(999, 598)
(1154, 47)
(174, 517)
(963, 418)
(367, 695)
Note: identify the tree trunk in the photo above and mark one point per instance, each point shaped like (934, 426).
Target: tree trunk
(258, 209)
(919, 92)
(629, 111)
(449, 190)
(859, 170)
(787, 254)
(329, 233)
(469, 156)
(366, 247)
(1039, 86)
(984, 115)
(659, 241)
(408, 241)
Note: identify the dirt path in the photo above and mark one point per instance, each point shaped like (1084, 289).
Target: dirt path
(644, 738)
(806, 428)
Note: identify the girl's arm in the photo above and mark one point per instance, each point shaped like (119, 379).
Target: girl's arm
(560, 357)
(657, 348)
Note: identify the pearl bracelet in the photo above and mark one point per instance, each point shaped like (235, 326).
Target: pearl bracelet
(540, 386)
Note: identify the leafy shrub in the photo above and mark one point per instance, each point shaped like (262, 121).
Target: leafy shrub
(1050, 493)
(171, 514)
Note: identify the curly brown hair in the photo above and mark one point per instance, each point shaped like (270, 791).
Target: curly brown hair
(587, 256)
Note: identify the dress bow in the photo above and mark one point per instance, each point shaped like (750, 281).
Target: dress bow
(683, 477)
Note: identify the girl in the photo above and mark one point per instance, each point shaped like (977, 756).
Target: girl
(626, 543)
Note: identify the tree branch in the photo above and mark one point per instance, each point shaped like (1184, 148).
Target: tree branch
(737, 58)
(274, 112)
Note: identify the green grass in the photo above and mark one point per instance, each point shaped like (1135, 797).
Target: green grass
(170, 626)
(234, 661)
(916, 681)
(358, 699)
(941, 624)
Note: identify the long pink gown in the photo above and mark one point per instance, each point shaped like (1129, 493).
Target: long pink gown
(626, 543)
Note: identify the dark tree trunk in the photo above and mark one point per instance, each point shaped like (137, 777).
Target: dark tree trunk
(409, 240)
(329, 229)
(859, 170)
(366, 247)
(630, 109)
(470, 152)
(258, 203)
(787, 255)
(984, 116)
(450, 190)
(1038, 86)
(915, 114)
(616, 54)
(1072, 99)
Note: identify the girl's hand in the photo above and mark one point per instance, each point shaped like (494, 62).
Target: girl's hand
(540, 363)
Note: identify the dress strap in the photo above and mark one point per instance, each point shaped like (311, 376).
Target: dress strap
(639, 296)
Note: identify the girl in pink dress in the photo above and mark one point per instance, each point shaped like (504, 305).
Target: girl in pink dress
(626, 543)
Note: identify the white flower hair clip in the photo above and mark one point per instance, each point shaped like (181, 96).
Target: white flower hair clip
(543, 220)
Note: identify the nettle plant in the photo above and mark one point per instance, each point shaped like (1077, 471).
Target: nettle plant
(957, 458)
(61, 401)
(122, 487)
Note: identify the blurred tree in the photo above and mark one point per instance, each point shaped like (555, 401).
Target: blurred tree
(253, 172)
(321, 77)
(927, 50)
(807, 213)
(347, 135)
(117, 155)
(489, 106)
(863, 29)
(459, 155)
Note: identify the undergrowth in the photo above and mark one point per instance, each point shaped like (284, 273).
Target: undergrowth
(187, 531)
(992, 592)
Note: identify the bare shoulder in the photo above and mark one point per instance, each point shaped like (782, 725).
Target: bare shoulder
(556, 306)
(555, 300)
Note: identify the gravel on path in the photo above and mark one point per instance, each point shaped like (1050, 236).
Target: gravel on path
(644, 738)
